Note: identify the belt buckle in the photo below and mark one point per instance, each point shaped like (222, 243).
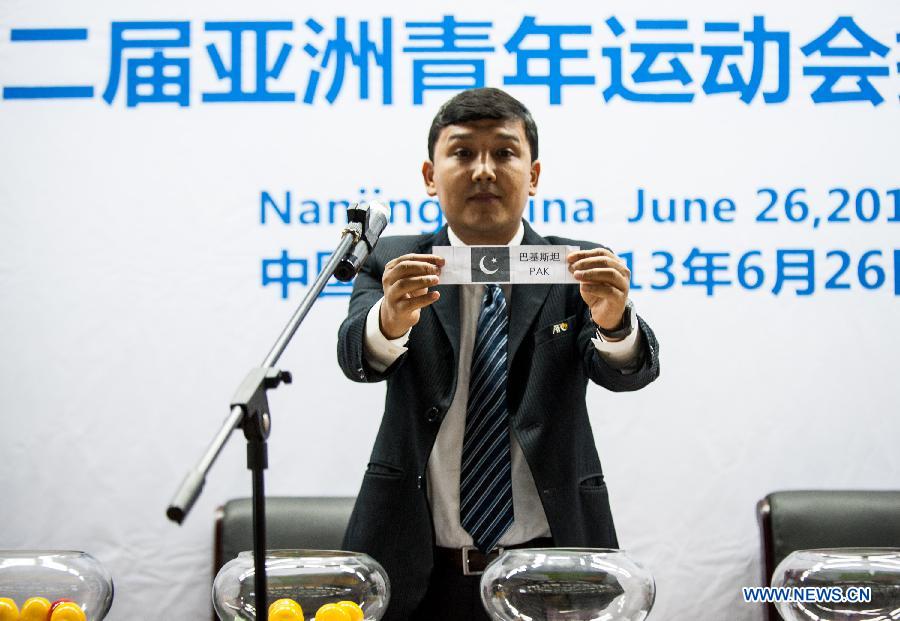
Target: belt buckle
(465, 559)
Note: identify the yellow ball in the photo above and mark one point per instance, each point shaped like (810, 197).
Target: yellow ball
(352, 609)
(332, 612)
(35, 609)
(285, 610)
(8, 610)
(68, 611)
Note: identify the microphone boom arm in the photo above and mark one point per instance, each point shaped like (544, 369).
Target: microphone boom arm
(250, 409)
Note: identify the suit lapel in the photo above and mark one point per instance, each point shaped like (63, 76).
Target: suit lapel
(527, 300)
(447, 308)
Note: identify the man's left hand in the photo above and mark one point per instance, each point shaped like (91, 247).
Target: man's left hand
(604, 279)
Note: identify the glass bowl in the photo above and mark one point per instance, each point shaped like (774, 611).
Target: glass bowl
(53, 575)
(312, 578)
(847, 569)
(567, 584)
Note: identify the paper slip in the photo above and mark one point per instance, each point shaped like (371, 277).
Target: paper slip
(518, 265)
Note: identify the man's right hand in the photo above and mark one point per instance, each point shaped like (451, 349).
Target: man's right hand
(405, 282)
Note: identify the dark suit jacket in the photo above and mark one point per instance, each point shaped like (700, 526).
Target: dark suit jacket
(546, 394)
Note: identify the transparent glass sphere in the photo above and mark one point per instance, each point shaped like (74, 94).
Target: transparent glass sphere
(567, 584)
(54, 575)
(312, 578)
(846, 568)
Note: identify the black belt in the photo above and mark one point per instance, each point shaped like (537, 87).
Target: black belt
(471, 562)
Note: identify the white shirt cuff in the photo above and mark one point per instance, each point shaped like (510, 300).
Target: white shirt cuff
(380, 351)
(622, 355)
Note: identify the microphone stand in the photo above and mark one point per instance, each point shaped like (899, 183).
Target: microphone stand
(250, 407)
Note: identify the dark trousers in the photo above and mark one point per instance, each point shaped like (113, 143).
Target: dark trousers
(451, 596)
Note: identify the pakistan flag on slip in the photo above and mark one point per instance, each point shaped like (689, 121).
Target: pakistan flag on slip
(490, 263)
(518, 265)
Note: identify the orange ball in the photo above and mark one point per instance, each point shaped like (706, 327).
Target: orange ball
(35, 609)
(285, 610)
(67, 611)
(352, 609)
(57, 603)
(332, 612)
(8, 610)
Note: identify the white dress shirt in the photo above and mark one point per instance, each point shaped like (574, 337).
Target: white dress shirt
(444, 462)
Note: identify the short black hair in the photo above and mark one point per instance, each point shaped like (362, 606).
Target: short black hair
(482, 103)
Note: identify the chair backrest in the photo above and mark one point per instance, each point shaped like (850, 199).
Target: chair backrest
(803, 520)
(316, 523)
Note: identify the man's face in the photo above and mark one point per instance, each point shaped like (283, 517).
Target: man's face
(482, 174)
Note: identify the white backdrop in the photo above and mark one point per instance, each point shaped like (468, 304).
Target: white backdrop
(131, 248)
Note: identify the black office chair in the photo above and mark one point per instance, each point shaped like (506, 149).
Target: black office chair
(803, 520)
(316, 523)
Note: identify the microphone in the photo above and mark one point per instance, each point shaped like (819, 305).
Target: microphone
(367, 220)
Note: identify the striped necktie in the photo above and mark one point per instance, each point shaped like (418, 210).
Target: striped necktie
(485, 490)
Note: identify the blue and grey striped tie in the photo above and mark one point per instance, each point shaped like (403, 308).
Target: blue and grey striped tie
(485, 490)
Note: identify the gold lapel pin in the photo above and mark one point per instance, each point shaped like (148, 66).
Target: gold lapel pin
(560, 327)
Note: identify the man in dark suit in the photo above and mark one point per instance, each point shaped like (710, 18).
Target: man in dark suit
(485, 441)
